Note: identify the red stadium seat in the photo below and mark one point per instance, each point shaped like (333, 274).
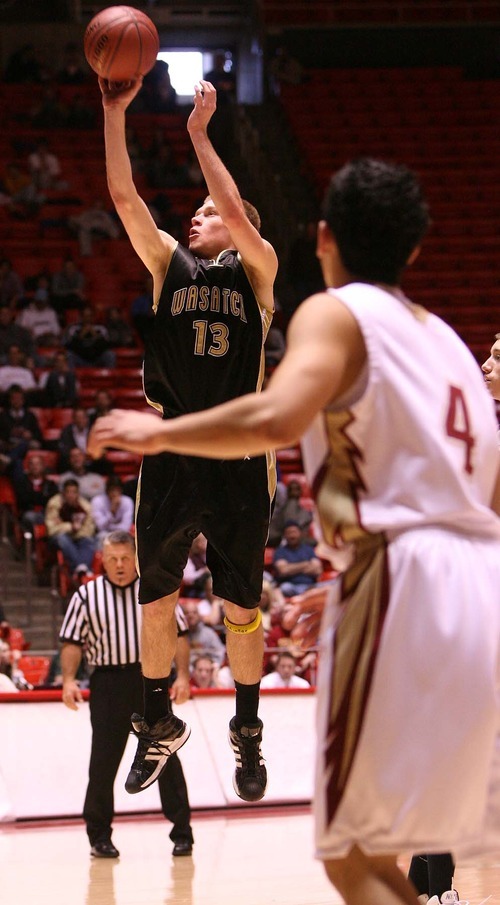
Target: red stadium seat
(34, 668)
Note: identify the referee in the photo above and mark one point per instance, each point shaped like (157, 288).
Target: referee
(102, 623)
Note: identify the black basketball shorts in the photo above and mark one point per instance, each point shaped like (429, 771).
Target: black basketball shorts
(228, 501)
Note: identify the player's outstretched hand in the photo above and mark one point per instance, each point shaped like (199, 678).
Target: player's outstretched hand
(205, 104)
(303, 616)
(119, 94)
(136, 432)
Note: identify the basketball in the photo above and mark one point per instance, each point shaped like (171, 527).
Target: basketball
(121, 43)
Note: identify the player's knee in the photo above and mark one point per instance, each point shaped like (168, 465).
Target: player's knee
(240, 621)
(161, 609)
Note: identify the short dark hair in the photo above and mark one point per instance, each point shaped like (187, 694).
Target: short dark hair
(378, 215)
(286, 654)
(114, 481)
(70, 482)
(291, 523)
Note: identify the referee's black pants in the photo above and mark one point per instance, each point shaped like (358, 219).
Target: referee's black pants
(115, 693)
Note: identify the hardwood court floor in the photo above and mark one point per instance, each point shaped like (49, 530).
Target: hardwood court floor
(248, 857)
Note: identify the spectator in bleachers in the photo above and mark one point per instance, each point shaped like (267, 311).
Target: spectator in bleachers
(15, 371)
(296, 565)
(271, 605)
(23, 199)
(12, 334)
(33, 490)
(112, 510)
(163, 171)
(19, 427)
(80, 114)
(279, 639)
(289, 508)
(202, 673)
(87, 343)
(73, 71)
(92, 222)
(284, 69)
(196, 570)
(159, 139)
(68, 287)
(11, 285)
(71, 528)
(284, 674)
(193, 173)
(7, 685)
(203, 639)
(90, 483)
(223, 79)
(49, 112)
(119, 331)
(4, 624)
(40, 318)
(103, 403)
(59, 385)
(141, 309)
(25, 66)
(158, 93)
(210, 607)
(45, 168)
(74, 434)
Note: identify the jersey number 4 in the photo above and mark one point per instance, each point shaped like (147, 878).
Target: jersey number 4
(458, 425)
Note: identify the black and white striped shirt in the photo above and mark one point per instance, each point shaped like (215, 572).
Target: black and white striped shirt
(106, 620)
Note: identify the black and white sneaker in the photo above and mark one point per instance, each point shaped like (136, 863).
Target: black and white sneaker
(156, 744)
(250, 776)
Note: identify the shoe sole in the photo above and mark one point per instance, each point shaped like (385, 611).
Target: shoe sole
(105, 857)
(162, 763)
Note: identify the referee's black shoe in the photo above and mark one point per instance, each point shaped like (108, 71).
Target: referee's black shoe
(156, 744)
(104, 849)
(250, 776)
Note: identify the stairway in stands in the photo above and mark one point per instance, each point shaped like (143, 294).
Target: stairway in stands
(444, 127)
(33, 608)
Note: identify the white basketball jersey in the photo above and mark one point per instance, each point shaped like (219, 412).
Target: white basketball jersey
(415, 442)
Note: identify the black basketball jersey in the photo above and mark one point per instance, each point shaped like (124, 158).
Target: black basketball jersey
(205, 344)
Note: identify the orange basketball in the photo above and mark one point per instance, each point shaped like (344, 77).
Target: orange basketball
(121, 43)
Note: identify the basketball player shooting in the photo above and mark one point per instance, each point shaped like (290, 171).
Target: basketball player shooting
(399, 444)
(213, 305)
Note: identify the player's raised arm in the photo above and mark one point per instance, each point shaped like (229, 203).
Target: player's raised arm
(153, 246)
(257, 254)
